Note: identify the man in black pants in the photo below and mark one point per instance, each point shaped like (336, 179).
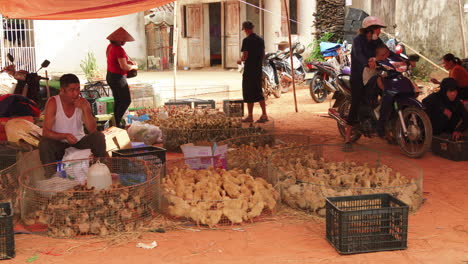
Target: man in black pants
(64, 117)
(253, 51)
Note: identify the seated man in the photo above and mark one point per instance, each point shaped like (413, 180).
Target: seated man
(63, 124)
(446, 112)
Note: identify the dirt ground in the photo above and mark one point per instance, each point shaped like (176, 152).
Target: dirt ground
(438, 231)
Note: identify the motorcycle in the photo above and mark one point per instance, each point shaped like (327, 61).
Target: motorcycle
(282, 63)
(270, 84)
(408, 125)
(321, 85)
(29, 82)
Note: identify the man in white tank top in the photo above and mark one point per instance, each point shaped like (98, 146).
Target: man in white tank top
(64, 117)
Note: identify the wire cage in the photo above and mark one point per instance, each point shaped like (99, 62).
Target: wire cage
(56, 201)
(181, 125)
(306, 175)
(9, 184)
(252, 152)
(200, 189)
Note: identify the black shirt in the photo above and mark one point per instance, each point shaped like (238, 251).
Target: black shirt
(361, 52)
(255, 46)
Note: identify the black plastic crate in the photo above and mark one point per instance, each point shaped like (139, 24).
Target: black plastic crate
(178, 103)
(366, 223)
(7, 235)
(7, 156)
(233, 107)
(204, 104)
(102, 125)
(90, 94)
(154, 155)
(449, 149)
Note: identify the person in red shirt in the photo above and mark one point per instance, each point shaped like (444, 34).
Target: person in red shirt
(118, 64)
(457, 72)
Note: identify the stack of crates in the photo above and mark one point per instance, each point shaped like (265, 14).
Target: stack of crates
(7, 235)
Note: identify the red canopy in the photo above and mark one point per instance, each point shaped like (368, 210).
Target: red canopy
(74, 9)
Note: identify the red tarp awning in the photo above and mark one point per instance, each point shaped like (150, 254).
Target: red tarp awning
(74, 9)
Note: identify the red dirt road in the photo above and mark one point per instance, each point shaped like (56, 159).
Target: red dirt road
(438, 231)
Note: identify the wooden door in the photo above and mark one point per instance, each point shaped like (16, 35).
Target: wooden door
(195, 35)
(231, 33)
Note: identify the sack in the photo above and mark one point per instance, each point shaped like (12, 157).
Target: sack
(132, 73)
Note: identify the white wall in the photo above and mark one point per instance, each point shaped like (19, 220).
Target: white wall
(272, 33)
(66, 43)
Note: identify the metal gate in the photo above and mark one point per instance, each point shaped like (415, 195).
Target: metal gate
(17, 38)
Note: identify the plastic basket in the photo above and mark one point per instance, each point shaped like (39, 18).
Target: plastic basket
(366, 223)
(179, 103)
(449, 149)
(154, 155)
(204, 104)
(7, 235)
(233, 107)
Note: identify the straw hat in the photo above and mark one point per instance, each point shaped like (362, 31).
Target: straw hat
(120, 35)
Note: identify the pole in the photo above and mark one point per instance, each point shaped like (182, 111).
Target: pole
(291, 54)
(462, 28)
(175, 41)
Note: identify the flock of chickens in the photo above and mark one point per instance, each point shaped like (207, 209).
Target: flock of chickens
(211, 195)
(305, 178)
(84, 211)
(181, 125)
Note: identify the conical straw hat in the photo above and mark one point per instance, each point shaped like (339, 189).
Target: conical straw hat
(120, 35)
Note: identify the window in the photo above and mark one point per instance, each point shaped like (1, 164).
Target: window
(292, 8)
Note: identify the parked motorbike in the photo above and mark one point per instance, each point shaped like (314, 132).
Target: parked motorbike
(323, 82)
(282, 63)
(408, 125)
(29, 82)
(270, 84)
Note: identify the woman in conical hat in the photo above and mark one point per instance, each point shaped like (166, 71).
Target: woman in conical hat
(118, 65)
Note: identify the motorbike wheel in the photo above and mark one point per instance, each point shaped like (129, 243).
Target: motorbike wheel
(268, 89)
(343, 110)
(419, 137)
(318, 92)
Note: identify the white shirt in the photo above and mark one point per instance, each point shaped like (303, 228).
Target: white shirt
(68, 125)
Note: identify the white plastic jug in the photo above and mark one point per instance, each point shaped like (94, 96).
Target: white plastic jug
(99, 176)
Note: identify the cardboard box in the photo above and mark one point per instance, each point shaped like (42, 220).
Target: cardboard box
(204, 155)
(116, 138)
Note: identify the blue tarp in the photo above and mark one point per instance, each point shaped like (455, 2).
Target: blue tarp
(329, 48)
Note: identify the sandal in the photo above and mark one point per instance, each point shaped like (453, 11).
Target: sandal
(262, 119)
(247, 120)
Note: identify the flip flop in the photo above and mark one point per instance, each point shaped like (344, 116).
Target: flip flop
(247, 120)
(262, 120)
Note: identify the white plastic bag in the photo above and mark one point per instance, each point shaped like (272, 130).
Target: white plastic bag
(141, 132)
(76, 170)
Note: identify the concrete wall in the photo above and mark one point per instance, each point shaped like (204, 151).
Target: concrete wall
(272, 32)
(66, 43)
(430, 26)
